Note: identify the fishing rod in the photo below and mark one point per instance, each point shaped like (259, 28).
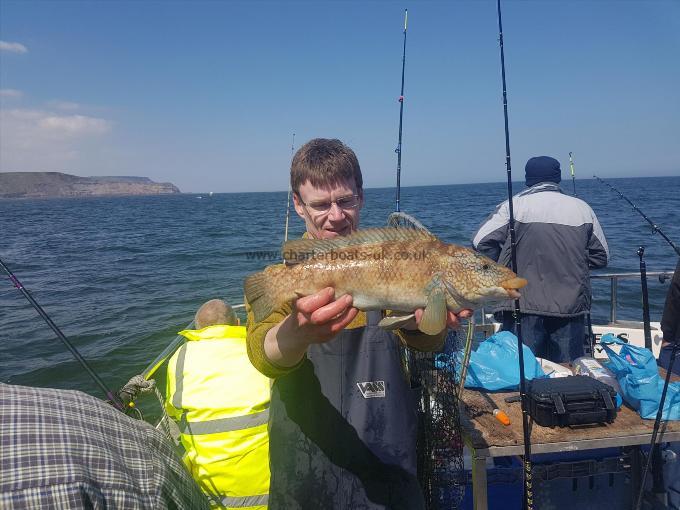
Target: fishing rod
(655, 451)
(113, 398)
(528, 491)
(401, 111)
(645, 299)
(657, 423)
(655, 227)
(285, 234)
(571, 168)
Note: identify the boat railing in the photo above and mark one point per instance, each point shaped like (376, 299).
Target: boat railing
(484, 326)
(614, 286)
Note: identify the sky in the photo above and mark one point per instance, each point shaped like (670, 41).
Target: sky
(207, 94)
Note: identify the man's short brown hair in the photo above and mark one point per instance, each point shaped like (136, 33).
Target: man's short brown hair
(215, 312)
(325, 162)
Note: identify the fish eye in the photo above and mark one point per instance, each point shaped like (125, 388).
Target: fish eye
(486, 267)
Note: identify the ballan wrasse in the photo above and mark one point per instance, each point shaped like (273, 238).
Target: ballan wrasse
(385, 269)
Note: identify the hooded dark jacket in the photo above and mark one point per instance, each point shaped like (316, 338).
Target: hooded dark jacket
(558, 240)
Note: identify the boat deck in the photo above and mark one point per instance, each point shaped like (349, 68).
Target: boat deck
(487, 437)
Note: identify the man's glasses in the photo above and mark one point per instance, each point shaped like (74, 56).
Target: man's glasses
(346, 203)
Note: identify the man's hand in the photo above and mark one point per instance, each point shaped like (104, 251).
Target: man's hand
(319, 317)
(315, 319)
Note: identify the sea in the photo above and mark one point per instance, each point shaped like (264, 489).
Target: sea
(120, 276)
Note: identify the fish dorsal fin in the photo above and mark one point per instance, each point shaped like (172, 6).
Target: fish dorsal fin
(303, 249)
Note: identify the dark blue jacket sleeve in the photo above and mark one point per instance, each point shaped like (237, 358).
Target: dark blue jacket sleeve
(670, 322)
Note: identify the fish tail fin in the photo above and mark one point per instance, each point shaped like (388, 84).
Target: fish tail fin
(262, 294)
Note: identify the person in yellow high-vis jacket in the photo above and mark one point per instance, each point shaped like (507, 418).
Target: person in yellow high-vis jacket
(221, 404)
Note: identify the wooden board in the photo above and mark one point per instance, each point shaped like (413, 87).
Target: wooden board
(484, 431)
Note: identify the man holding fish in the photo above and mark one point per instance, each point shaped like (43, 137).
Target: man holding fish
(343, 416)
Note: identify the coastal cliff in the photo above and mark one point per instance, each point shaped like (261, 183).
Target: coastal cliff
(56, 184)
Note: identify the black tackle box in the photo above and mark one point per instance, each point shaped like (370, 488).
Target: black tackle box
(573, 400)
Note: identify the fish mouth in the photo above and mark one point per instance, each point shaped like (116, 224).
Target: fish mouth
(512, 285)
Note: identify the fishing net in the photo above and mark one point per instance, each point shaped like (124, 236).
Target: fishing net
(439, 445)
(403, 220)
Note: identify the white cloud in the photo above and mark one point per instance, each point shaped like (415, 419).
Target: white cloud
(10, 93)
(13, 47)
(64, 105)
(37, 140)
(70, 125)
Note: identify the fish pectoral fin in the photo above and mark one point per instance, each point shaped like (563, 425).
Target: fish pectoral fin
(396, 321)
(434, 316)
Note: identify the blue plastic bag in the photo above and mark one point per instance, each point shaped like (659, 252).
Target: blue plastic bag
(495, 363)
(638, 375)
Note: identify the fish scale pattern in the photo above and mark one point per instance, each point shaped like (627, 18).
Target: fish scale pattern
(383, 269)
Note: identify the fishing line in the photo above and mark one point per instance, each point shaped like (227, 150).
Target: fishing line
(571, 168)
(528, 490)
(401, 111)
(113, 398)
(285, 234)
(655, 227)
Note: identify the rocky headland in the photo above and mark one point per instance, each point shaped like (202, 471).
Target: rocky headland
(56, 184)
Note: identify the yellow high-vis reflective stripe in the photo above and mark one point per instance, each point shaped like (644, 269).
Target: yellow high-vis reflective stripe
(179, 388)
(222, 405)
(224, 424)
(247, 502)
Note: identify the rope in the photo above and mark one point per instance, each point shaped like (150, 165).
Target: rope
(466, 356)
(163, 423)
(138, 385)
